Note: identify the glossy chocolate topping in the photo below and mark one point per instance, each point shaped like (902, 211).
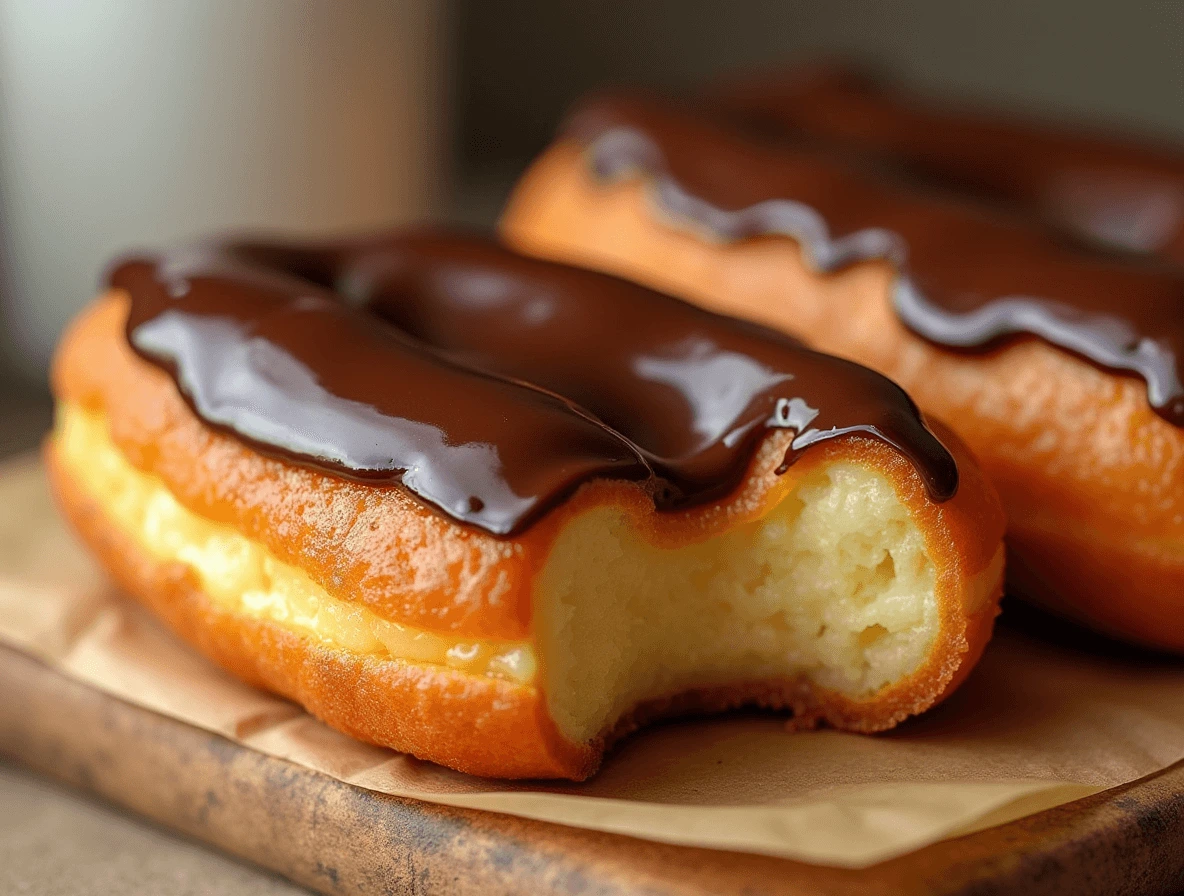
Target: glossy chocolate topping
(487, 383)
(1110, 189)
(968, 275)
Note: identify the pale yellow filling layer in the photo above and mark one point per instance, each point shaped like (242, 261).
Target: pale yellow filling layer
(242, 576)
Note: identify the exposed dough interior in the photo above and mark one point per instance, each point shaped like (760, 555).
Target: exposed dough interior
(833, 585)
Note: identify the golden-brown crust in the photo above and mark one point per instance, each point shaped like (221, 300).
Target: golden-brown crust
(453, 718)
(1092, 479)
(406, 563)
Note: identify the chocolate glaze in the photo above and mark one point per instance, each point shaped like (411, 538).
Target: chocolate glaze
(968, 275)
(1112, 190)
(487, 383)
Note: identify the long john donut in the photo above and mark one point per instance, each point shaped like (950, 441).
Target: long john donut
(511, 510)
(1058, 365)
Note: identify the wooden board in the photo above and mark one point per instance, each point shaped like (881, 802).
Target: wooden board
(340, 839)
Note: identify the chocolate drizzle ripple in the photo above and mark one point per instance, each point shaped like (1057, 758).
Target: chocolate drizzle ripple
(1115, 191)
(968, 275)
(488, 384)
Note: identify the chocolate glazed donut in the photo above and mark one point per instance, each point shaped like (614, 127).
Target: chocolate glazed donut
(1059, 363)
(498, 512)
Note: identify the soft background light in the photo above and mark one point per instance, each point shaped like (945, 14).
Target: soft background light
(137, 122)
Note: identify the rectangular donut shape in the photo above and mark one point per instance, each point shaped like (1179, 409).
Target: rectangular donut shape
(676, 512)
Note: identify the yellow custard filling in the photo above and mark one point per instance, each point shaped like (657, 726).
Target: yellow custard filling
(242, 576)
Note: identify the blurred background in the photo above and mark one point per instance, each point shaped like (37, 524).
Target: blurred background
(128, 123)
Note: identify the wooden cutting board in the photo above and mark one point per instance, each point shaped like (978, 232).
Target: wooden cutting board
(340, 839)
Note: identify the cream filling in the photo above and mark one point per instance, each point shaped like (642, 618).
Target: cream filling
(242, 576)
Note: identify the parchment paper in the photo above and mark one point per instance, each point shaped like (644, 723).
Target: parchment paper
(1038, 724)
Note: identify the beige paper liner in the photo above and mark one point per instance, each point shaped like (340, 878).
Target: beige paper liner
(1036, 725)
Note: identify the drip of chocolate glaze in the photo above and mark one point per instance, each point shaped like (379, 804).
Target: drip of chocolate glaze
(489, 384)
(967, 275)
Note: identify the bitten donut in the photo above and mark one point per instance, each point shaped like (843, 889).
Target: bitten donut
(1109, 189)
(497, 512)
(1059, 365)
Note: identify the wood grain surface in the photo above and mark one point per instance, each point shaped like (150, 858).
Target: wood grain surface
(340, 839)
